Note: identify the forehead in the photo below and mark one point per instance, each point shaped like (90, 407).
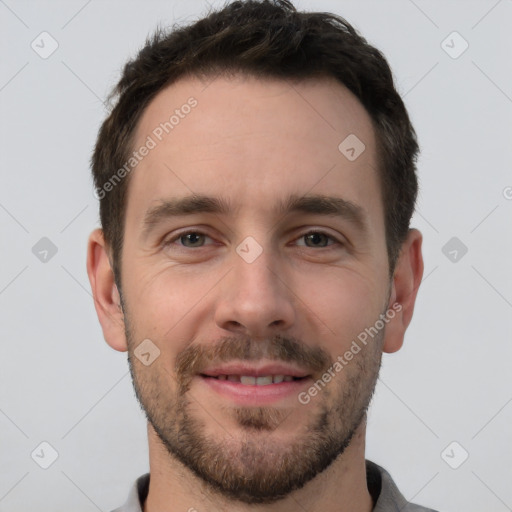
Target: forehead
(254, 140)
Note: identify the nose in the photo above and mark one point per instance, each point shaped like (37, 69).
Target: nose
(255, 299)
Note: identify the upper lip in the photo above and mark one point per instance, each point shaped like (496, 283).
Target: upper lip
(254, 370)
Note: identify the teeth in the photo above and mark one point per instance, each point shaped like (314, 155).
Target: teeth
(264, 381)
(250, 380)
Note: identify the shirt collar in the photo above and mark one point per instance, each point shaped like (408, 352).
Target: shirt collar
(384, 492)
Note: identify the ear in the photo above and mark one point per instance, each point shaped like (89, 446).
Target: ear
(104, 290)
(406, 281)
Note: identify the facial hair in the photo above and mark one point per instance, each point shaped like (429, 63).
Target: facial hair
(251, 466)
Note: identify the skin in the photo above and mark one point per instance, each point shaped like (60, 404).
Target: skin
(253, 142)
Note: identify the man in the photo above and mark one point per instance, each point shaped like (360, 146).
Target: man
(256, 180)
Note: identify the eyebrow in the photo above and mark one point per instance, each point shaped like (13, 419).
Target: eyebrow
(313, 204)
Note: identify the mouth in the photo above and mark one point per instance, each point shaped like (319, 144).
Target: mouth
(251, 380)
(244, 384)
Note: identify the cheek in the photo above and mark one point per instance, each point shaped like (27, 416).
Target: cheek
(344, 302)
(165, 303)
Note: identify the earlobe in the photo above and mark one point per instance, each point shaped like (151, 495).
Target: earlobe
(107, 300)
(406, 281)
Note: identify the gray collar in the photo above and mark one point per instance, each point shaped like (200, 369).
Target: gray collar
(385, 493)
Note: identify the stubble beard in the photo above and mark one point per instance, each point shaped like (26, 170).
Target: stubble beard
(247, 463)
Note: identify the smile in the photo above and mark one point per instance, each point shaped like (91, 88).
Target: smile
(250, 380)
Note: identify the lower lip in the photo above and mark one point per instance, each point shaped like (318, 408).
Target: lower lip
(247, 394)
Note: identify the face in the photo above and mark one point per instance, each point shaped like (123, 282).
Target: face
(254, 258)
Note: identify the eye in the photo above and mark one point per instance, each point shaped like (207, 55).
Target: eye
(188, 239)
(197, 239)
(317, 239)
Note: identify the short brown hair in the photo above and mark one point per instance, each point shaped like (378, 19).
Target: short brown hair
(265, 39)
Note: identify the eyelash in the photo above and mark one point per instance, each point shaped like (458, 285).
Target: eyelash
(178, 236)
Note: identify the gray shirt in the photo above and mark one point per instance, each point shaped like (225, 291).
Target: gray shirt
(385, 494)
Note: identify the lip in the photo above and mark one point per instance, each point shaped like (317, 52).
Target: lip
(255, 370)
(254, 395)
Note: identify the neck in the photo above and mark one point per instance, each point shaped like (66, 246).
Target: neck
(340, 488)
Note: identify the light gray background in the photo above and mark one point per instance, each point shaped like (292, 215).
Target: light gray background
(61, 383)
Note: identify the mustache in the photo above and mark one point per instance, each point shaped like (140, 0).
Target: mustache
(196, 358)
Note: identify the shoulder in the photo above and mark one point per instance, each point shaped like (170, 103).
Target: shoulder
(137, 495)
(386, 495)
